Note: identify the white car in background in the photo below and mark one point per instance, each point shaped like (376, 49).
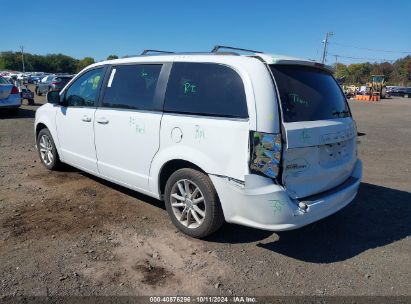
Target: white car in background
(9, 95)
(264, 141)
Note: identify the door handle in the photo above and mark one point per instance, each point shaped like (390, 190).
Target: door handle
(86, 118)
(102, 120)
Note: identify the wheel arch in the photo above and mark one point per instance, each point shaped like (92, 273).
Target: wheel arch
(39, 127)
(44, 121)
(169, 168)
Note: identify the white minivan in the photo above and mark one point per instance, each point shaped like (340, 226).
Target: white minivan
(261, 140)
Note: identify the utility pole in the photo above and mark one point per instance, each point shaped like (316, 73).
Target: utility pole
(325, 41)
(22, 57)
(336, 59)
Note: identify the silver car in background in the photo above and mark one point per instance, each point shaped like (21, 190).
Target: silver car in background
(52, 83)
(43, 86)
(9, 95)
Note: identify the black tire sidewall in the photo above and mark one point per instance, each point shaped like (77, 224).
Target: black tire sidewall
(212, 204)
(55, 162)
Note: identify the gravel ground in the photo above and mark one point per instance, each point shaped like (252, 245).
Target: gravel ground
(69, 233)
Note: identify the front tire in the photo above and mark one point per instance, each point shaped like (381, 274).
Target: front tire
(47, 150)
(192, 203)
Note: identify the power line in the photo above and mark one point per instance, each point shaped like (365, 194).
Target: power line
(363, 58)
(369, 49)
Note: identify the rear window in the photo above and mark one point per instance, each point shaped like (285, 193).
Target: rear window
(308, 94)
(63, 79)
(205, 89)
(3, 81)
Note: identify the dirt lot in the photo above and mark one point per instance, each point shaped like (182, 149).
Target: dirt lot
(68, 233)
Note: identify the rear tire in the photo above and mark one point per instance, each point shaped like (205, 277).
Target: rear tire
(47, 150)
(31, 102)
(192, 203)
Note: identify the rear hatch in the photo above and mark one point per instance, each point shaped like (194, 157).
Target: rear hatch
(319, 131)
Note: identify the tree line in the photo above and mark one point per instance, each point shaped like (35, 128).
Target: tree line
(396, 73)
(51, 63)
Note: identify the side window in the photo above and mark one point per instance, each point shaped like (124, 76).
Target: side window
(205, 89)
(132, 86)
(83, 91)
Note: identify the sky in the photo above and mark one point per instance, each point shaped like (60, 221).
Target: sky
(365, 30)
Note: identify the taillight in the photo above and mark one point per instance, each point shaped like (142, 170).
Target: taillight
(55, 82)
(14, 90)
(266, 153)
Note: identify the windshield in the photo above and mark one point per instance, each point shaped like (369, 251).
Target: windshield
(308, 94)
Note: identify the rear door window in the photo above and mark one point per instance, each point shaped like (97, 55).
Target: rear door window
(205, 89)
(308, 94)
(132, 86)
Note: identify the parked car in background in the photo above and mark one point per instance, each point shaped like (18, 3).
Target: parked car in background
(9, 95)
(34, 79)
(400, 92)
(407, 93)
(264, 141)
(44, 85)
(52, 83)
(395, 91)
(23, 77)
(26, 93)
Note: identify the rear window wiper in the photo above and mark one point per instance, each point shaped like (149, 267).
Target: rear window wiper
(341, 113)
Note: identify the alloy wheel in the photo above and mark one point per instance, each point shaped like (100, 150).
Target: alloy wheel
(187, 202)
(46, 150)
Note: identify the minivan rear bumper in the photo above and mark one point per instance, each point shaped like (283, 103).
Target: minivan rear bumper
(262, 204)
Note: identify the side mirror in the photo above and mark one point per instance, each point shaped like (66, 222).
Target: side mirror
(53, 97)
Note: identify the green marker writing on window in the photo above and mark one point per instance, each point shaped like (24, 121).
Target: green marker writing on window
(189, 88)
(295, 98)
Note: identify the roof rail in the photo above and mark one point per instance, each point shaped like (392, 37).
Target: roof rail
(145, 52)
(218, 47)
